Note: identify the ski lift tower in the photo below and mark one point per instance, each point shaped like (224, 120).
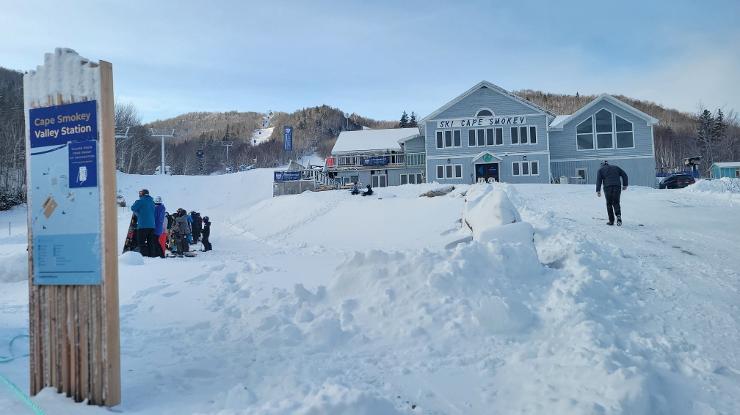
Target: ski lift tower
(162, 136)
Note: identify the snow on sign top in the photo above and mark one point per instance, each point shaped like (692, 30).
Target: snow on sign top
(367, 140)
(64, 73)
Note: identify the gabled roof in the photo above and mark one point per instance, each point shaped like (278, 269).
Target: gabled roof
(561, 120)
(483, 153)
(479, 85)
(369, 140)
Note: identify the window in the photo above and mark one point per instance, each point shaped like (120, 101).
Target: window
(380, 180)
(533, 135)
(489, 137)
(481, 137)
(581, 172)
(471, 138)
(523, 135)
(514, 135)
(448, 138)
(411, 178)
(415, 159)
(354, 179)
(525, 168)
(604, 129)
(458, 170)
(484, 113)
(440, 172)
(625, 135)
(585, 135)
(499, 136)
(448, 170)
(444, 171)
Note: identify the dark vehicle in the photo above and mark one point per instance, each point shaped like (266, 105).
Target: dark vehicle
(676, 181)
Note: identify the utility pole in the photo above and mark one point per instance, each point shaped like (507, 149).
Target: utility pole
(162, 136)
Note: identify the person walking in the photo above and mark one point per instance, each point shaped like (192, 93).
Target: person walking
(181, 228)
(159, 226)
(615, 180)
(206, 233)
(144, 210)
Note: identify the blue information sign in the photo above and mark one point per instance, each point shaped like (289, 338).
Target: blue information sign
(83, 164)
(64, 194)
(288, 138)
(287, 176)
(50, 126)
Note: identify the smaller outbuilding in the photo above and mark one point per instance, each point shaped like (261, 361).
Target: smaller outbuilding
(726, 169)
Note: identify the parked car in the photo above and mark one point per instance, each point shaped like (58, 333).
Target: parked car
(676, 181)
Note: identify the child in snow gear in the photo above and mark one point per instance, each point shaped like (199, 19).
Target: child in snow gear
(615, 180)
(206, 234)
(180, 229)
(355, 189)
(159, 226)
(368, 192)
(144, 211)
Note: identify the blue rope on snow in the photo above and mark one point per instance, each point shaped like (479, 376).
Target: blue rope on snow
(12, 386)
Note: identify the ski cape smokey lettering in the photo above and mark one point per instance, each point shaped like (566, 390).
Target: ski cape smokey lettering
(60, 124)
(483, 121)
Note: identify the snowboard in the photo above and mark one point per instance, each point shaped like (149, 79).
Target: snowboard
(130, 244)
(184, 255)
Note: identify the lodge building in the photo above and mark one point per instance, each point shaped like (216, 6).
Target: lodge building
(487, 133)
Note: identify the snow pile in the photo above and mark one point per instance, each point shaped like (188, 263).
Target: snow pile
(723, 185)
(491, 216)
(13, 266)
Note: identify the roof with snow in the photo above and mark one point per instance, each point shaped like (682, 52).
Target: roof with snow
(369, 140)
(561, 120)
(727, 164)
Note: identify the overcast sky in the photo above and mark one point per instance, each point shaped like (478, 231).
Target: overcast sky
(377, 58)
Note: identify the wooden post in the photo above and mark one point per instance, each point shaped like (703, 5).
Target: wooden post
(74, 329)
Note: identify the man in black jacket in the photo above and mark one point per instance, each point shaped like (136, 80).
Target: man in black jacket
(615, 180)
(206, 233)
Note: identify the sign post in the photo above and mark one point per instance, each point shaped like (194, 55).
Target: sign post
(72, 241)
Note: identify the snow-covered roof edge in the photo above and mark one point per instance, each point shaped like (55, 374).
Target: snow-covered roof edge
(726, 163)
(373, 140)
(561, 120)
(478, 86)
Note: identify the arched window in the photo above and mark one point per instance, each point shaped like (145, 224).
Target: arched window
(585, 134)
(484, 113)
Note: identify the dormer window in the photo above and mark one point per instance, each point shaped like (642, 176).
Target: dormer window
(484, 113)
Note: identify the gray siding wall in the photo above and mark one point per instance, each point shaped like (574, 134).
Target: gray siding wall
(415, 145)
(640, 171)
(501, 104)
(563, 143)
(505, 169)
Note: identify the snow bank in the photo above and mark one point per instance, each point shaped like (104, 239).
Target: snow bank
(13, 266)
(723, 185)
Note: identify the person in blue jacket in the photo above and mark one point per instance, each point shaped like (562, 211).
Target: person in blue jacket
(144, 211)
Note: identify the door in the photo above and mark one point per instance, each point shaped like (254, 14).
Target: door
(486, 171)
(380, 180)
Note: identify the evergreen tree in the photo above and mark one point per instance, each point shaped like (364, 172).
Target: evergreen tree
(404, 120)
(412, 120)
(719, 128)
(705, 136)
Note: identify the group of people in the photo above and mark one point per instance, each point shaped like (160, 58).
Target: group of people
(356, 190)
(154, 231)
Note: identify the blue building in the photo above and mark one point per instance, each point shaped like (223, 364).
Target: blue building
(487, 133)
(726, 169)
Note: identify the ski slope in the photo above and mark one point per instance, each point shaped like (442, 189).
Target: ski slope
(327, 303)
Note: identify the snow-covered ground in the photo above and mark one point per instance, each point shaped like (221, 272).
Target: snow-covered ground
(325, 303)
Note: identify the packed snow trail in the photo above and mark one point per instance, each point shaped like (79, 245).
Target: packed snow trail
(329, 303)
